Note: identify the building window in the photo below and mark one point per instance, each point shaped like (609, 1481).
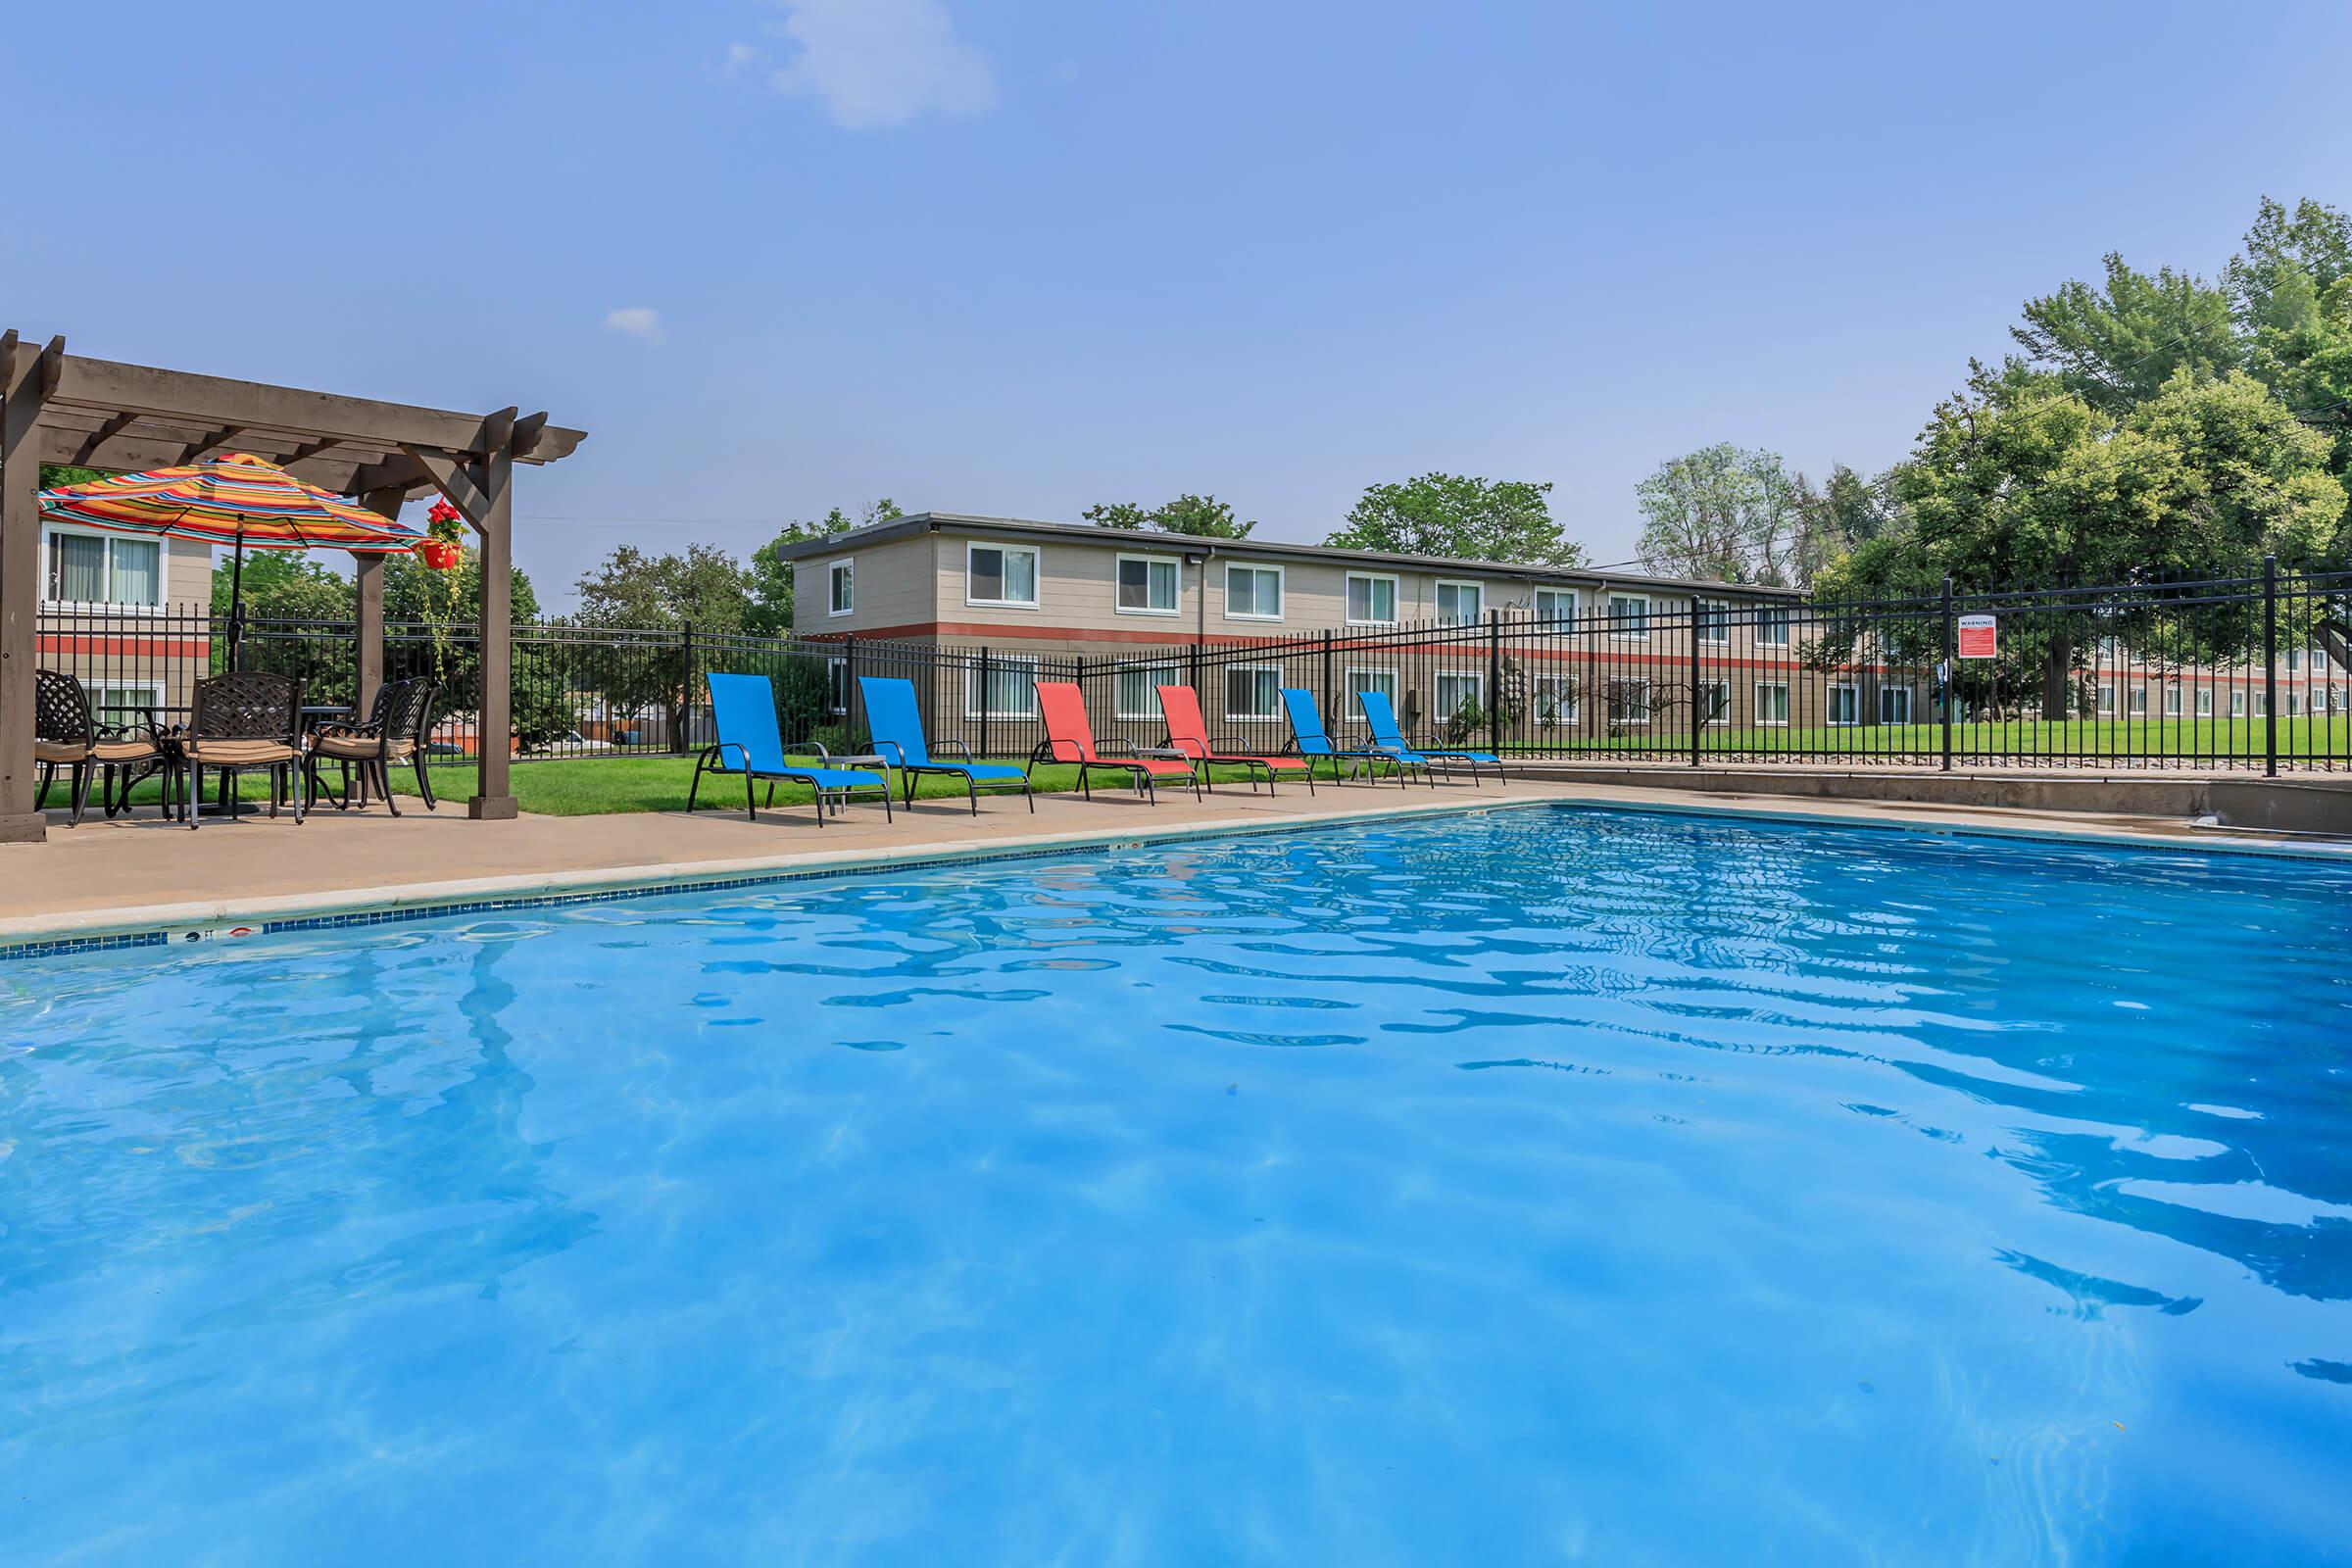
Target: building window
(2172, 701)
(1457, 691)
(1012, 691)
(1135, 693)
(1772, 627)
(2262, 704)
(2204, 703)
(1148, 585)
(1713, 620)
(2294, 660)
(1772, 703)
(1252, 593)
(1629, 618)
(1846, 704)
(2107, 699)
(98, 568)
(1715, 703)
(1894, 704)
(837, 685)
(2237, 704)
(1000, 574)
(2294, 702)
(1252, 693)
(2140, 702)
(1371, 600)
(1460, 604)
(1629, 701)
(1383, 681)
(1556, 698)
(1556, 604)
(127, 703)
(841, 587)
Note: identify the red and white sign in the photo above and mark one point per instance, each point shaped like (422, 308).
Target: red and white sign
(1979, 637)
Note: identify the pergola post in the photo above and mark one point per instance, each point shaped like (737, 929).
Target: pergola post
(482, 491)
(368, 574)
(24, 376)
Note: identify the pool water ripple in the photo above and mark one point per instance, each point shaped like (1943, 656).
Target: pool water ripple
(1529, 1187)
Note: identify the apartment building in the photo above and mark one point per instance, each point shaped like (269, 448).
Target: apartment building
(1580, 650)
(128, 611)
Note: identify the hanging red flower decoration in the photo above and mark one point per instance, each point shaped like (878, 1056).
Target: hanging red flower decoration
(443, 546)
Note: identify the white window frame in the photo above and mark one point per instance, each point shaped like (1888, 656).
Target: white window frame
(2204, 702)
(1225, 690)
(1617, 598)
(1393, 689)
(1347, 598)
(2237, 702)
(1711, 620)
(152, 689)
(2295, 703)
(2262, 703)
(833, 571)
(1773, 623)
(1896, 690)
(1574, 596)
(1437, 601)
(1852, 688)
(996, 664)
(1438, 710)
(1037, 574)
(1787, 711)
(837, 688)
(2171, 699)
(1629, 683)
(1170, 673)
(2106, 699)
(1570, 705)
(1282, 591)
(109, 539)
(2139, 702)
(1175, 605)
(1723, 712)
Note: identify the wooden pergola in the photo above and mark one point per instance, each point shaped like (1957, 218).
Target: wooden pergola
(62, 407)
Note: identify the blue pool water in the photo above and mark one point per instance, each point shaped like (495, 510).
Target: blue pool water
(1530, 1187)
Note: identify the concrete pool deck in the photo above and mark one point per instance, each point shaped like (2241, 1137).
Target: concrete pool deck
(141, 874)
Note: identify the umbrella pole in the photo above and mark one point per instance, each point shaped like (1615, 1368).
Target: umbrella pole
(236, 604)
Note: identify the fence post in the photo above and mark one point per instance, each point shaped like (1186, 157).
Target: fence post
(1494, 681)
(1695, 716)
(1951, 671)
(984, 704)
(1329, 699)
(677, 733)
(2270, 665)
(849, 692)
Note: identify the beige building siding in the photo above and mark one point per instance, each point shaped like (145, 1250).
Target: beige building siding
(892, 587)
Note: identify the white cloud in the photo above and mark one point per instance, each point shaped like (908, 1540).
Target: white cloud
(875, 63)
(637, 322)
(740, 55)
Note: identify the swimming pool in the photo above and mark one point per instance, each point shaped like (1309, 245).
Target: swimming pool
(1527, 1185)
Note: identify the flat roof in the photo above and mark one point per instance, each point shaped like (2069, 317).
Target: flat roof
(1085, 533)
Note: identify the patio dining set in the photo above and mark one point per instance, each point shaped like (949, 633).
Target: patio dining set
(245, 721)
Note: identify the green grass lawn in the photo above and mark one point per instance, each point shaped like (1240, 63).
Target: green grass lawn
(2090, 739)
(595, 786)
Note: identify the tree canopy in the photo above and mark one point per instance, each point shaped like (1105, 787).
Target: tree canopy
(1462, 519)
(701, 584)
(1204, 516)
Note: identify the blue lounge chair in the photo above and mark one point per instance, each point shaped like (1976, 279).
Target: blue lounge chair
(897, 726)
(1380, 716)
(1309, 740)
(743, 710)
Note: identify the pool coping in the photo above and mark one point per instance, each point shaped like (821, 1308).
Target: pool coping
(102, 929)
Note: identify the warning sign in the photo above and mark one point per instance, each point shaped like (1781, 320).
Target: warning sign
(1979, 636)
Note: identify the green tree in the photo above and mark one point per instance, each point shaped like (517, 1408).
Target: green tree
(2115, 345)
(285, 585)
(1460, 519)
(701, 584)
(1728, 514)
(1203, 517)
(414, 592)
(2302, 253)
(771, 576)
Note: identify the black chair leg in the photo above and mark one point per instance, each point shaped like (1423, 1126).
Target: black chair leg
(383, 779)
(424, 783)
(82, 792)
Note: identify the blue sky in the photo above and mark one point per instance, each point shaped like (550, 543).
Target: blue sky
(1014, 258)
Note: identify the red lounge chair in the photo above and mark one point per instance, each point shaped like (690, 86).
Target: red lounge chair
(1069, 738)
(1188, 733)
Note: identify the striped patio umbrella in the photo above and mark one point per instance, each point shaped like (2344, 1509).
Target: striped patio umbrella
(235, 499)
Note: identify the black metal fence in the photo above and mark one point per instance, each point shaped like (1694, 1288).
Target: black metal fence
(2227, 673)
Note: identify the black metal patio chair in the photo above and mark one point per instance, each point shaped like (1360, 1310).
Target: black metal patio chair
(396, 729)
(67, 734)
(242, 723)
